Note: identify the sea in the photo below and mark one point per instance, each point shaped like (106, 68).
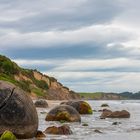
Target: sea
(127, 129)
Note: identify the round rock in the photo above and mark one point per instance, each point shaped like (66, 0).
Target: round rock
(81, 106)
(17, 112)
(63, 112)
(62, 130)
(41, 103)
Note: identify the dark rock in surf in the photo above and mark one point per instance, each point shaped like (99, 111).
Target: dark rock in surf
(81, 106)
(63, 112)
(116, 114)
(40, 134)
(104, 105)
(62, 130)
(41, 103)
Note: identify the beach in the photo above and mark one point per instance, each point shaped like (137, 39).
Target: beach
(129, 128)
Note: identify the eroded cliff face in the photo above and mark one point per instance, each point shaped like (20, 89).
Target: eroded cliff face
(56, 90)
(34, 82)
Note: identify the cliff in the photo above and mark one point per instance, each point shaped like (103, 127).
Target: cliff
(34, 82)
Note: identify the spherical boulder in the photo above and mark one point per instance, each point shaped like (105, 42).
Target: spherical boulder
(41, 103)
(63, 112)
(62, 130)
(17, 112)
(81, 106)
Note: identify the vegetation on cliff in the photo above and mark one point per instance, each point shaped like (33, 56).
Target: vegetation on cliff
(33, 82)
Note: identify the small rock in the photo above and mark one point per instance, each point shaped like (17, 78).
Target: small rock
(41, 103)
(63, 113)
(40, 134)
(100, 110)
(104, 105)
(84, 124)
(116, 123)
(7, 135)
(43, 112)
(62, 130)
(97, 131)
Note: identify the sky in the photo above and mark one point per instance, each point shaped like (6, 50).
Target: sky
(88, 45)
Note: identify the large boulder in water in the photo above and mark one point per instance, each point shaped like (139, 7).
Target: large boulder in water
(63, 113)
(17, 112)
(119, 114)
(81, 106)
(116, 114)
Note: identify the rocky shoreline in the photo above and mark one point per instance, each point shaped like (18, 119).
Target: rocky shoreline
(19, 118)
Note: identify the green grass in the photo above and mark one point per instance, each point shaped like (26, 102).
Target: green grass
(38, 91)
(8, 78)
(9, 69)
(95, 95)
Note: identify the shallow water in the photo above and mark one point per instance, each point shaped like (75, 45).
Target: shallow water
(129, 129)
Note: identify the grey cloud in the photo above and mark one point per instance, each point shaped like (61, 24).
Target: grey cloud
(86, 51)
(74, 16)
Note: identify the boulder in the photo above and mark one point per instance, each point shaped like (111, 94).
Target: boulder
(81, 106)
(17, 112)
(105, 113)
(62, 130)
(40, 134)
(119, 114)
(116, 114)
(41, 103)
(7, 135)
(63, 112)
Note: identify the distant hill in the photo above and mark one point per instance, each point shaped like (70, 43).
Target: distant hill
(34, 82)
(110, 96)
(101, 96)
(131, 95)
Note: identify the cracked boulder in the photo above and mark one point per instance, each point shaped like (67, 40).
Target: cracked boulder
(17, 112)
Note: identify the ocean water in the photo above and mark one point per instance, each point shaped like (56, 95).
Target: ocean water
(129, 129)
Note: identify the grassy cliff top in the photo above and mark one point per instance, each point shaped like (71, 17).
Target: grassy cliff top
(9, 69)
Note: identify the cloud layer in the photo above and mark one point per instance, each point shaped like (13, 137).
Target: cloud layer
(88, 45)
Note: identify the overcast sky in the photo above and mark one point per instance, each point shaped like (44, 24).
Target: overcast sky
(88, 45)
